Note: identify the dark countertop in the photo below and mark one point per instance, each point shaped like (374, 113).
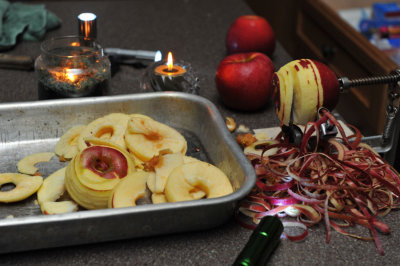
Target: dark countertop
(195, 32)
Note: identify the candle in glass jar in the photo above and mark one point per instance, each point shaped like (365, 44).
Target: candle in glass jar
(72, 66)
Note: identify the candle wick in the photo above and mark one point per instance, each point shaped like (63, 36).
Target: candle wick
(170, 70)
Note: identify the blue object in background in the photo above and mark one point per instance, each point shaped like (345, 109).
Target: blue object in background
(386, 11)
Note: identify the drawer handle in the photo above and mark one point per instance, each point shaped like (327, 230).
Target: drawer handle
(328, 51)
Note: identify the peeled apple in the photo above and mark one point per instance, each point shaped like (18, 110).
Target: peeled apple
(304, 85)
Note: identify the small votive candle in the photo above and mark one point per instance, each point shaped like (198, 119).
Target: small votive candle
(170, 77)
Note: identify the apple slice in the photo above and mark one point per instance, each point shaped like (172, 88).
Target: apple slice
(254, 148)
(158, 198)
(27, 164)
(129, 190)
(52, 189)
(164, 167)
(25, 186)
(110, 127)
(189, 159)
(51, 207)
(67, 145)
(151, 182)
(145, 138)
(196, 176)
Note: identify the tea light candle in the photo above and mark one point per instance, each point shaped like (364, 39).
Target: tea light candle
(170, 76)
(167, 76)
(170, 70)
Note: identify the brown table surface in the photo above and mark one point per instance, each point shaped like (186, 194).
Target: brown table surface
(195, 32)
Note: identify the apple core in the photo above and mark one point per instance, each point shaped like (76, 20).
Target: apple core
(105, 162)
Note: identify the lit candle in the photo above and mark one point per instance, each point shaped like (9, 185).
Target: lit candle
(74, 77)
(72, 66)
(170, 77)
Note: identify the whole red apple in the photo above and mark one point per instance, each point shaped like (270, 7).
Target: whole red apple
(244, 80)
(250, 33)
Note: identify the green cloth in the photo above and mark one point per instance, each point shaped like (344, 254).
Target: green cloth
(28, 22)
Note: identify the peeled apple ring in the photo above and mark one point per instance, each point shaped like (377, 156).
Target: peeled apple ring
(27, 164)
(110, 127)
(145, 138)
(52, 189)
(196, 176)
(94, 172)
(258, 148)
(129, 190)
(67, 145)
(25, 186)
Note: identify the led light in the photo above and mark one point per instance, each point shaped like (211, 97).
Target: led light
(87, 16)
(87, 25)
(158, 56)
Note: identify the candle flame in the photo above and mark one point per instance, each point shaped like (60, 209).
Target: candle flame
(170, 62)
(70, 76)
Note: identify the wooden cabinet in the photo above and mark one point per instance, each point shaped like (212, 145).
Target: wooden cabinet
(313, 29)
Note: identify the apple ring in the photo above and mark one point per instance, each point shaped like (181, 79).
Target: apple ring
(254, 148)
(196, 176)
(129, 190)
(110, 127)
(94, 172)
(165, 164)
(67, 145)
(145, 138)
(25, 186)
(27, 164)
(52, 189)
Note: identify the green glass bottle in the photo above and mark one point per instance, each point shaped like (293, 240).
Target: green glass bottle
(262, 243)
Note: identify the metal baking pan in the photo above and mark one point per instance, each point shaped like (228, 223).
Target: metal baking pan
(30, 127)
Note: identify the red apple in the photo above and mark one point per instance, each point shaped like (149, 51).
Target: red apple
(106, 162)
(250, 33)
(304, 85)
(244, 80)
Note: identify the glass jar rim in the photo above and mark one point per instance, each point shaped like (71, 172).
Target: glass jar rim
(46, 45)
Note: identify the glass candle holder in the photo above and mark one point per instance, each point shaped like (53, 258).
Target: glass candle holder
(179, 77)
(72, 66)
